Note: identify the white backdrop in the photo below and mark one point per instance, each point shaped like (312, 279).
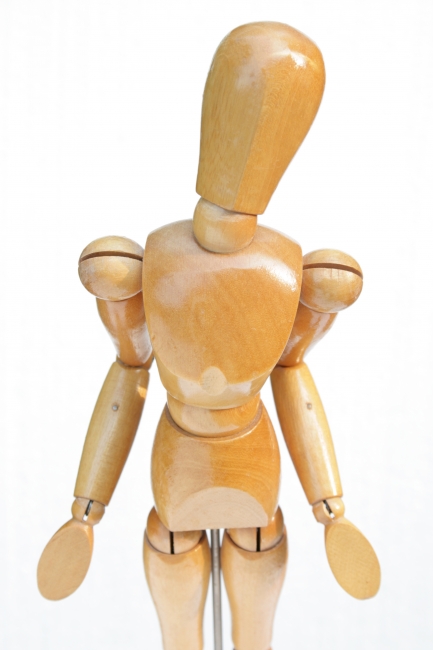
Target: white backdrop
(100, 117)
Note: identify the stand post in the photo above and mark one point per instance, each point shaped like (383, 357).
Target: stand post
(216, 589)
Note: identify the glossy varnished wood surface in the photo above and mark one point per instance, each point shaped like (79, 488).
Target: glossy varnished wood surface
(170, 542)
(179, 584)
(125, 322)
(223, 482)
(222, 231)
(111, 432)
(218, 323)
(262, 94)
(306, 432)
(308, 329)
(331, 281)
(221, 295)
(212, 422)
(259, 539)
(110, 268)
(253, 582)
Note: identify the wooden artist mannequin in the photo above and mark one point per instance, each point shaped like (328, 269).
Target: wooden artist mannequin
(222, 304)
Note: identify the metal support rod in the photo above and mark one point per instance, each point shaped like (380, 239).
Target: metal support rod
(216, 589)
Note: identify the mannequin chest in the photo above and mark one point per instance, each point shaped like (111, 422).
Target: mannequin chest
(218, 322)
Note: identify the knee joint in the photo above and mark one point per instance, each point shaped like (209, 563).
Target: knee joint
(259, 539)
(165, 541)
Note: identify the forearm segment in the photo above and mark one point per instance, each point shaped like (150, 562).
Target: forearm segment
(111, 432)
(306, 432)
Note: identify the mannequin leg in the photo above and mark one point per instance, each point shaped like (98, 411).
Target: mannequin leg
(177, 567)
(254, 564)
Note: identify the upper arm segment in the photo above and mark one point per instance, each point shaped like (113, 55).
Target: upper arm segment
(331, 281)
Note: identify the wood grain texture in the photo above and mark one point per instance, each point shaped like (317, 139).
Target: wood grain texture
(215, 300)
(125, 322)
(218, 323)
(222, 231)
(262, 94)
(201, 483)
(111, 432)
(352, 559)
(306, 432)
(178, 584)
(308, 329)
(271, 534)
(166, 541)
(110, 268)
(331, 281)
(65, 560)
(253, 582)
(259, 539)
(212, 422)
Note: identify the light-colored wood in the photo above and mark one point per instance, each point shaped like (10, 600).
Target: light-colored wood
(222, 231)
(221, 296)
(336, 506)
(90, 512)
(326, 511)
(259, 539)
(167, 542)
(178, 584)
(306, 432)
(186, 541)
(111, 432)
(324, 256)
(253, 582)
(246, 538)
(308, 329)
(65, 560)
(200, 483)
(262, 94)
(352, 559)
(218, 323)
(157, 534)
(212, 422)
(110, 268)
(271, 534)
(331, 281)
(126, 324)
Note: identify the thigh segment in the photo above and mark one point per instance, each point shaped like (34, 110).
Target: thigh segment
(177, 567)
(254, 563)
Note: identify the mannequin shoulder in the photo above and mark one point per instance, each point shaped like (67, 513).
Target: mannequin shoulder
(331, 281)
(110, 268)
